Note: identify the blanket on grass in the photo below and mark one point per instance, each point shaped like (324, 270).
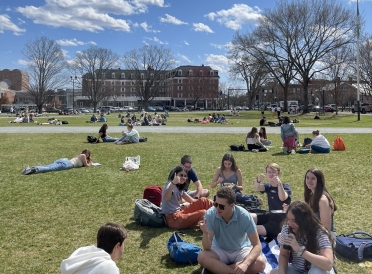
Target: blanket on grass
(271, 252)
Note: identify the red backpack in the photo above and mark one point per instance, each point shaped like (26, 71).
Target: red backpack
(339, 144)
(153, 194)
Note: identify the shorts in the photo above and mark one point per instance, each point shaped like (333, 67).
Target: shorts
(231, 257)
(272, 226)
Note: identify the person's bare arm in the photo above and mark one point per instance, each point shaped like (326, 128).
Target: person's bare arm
(257, 182)
(216, 178)
(325, 213)
(199, 188)
(83, 159)
(239, 185)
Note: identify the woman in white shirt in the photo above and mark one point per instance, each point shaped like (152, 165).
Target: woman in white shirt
(320, 143)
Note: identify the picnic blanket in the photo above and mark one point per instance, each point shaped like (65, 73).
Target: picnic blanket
(271, 252)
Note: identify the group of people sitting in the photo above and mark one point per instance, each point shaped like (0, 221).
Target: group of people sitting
(230, 233)
(24, 118)
(131, 136)
(101, 119)
(212, 118)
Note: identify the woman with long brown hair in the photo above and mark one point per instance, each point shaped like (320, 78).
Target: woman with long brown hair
(81, 160)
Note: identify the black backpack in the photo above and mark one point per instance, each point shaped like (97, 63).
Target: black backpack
(355, 248)
(237, 147)
(92, 139)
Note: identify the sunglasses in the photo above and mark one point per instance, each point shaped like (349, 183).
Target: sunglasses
(222, 207)
(182, 175)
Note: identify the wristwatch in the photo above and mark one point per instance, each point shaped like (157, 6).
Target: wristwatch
(301, 251)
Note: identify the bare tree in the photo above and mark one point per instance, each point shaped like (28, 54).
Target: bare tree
(149, 66)
(337, 63)
(93, 64)
(366, 62)
(306, 30)
(45, 67)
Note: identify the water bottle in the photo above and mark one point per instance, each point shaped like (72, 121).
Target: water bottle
(288, 247)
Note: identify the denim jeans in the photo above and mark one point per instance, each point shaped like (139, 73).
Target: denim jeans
(320, 149)
(313, 270)
(109, 139)
(60, 164)
(128, 138)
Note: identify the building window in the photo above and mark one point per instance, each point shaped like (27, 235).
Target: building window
(211, 73)
(179, 72)
(122, 83)
(200, 73)
(179, 95)
(142, 76)
(179, 81)
(113, 75)
(132, 83)
(112, 83)
(132, 89)
(190, 72)
(122, 75)
(179, 88)
(122, 89)
(161, 76)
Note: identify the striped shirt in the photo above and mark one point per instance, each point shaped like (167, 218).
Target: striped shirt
(299, 262)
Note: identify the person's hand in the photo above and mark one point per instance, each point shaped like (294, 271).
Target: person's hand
(240, 268)
(291, 240)
(275, 180)
(285, 206)
(176, 180)
(261, 176)
(219, 180)
(203, 226)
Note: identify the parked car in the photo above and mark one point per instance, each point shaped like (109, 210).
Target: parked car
(364, 108)
(245, 108)
(52, 110)
(151, 109)
(330, 108)
(313, 107)
(238, 108)
(68, 110)
(84, 110)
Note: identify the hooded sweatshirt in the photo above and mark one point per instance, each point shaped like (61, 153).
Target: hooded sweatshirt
(89, 260)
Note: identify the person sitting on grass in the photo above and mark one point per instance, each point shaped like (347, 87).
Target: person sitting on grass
(173, 192)
(102, 118)
(131, 136)
(100, 259)
(278, 196)
(81, 160)
(305, 244)
(102, 133)
(93, 119)
(320, 144)
(263, 137)
(253, 141)
(230, 240)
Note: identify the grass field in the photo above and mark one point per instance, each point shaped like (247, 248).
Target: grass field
(45, 217)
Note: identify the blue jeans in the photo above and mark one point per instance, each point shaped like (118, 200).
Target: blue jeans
(60, 164)
(109, 139)
(320, 149)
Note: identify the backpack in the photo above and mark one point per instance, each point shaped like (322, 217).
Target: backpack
(91, 139)
(237, 147)
(153, 194)
(354, 248)
(64, 122)
(307, 141)
(182, 252)
(248, 201)
(142, 139)
(339, 144)
(148, 214)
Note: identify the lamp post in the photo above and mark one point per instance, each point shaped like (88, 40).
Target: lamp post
(114, 97)
(323, 101)
(73, 79)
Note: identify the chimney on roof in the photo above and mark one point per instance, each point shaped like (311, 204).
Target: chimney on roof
(202, 65)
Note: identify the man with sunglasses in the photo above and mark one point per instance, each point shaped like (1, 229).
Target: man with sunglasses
(230, 240)
(186, 162)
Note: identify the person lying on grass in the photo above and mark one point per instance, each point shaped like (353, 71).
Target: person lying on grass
(81, 160)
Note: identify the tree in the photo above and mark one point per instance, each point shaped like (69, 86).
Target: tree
(93, 63)
(148, 65)
(4, 99)
(365, 66)
(337, 65)
(305, 31)
(45, 67)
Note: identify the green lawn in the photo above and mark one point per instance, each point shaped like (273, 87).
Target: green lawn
(246, 119)
(45, 217)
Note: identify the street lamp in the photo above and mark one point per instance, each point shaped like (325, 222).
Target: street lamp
(323, 101)
(73, 79)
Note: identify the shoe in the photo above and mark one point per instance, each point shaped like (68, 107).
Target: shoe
(28, 171)
(119, 142)
(293, 151)
(25, 170)
(285, 152)
(255, 150)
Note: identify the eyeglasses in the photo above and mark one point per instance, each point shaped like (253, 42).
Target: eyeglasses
(183, 175)
(222, 207)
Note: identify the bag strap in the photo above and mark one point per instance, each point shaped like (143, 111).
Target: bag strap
(361, 249)
(187, 254)
(361, 232)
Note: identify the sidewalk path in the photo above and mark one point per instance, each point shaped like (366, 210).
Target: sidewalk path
(169, 129)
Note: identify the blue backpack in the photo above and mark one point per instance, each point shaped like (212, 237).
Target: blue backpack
(354, 248)
(182, 252)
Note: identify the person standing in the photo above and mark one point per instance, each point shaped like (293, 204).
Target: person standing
(230, 240)
(186, 162)
(288, 135)
(278, 110)
(101, 258)
(273, 109)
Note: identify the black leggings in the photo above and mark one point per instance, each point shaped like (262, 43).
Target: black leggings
(260, 148)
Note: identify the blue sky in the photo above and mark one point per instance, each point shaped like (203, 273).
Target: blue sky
(197, 32)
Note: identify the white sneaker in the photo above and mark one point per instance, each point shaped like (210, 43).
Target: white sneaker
(119, 142)
(25, 170)
(255, 150)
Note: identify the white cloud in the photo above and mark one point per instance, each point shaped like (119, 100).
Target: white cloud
(201, 27)
(235, 17)
(172, 20)
(73, 42)
(184, 58)
(157, 40)
(7, 24)
(185, 42)
(89, 15)
(20, 21)
(22, 62)
(147, 28)
(219, 62)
